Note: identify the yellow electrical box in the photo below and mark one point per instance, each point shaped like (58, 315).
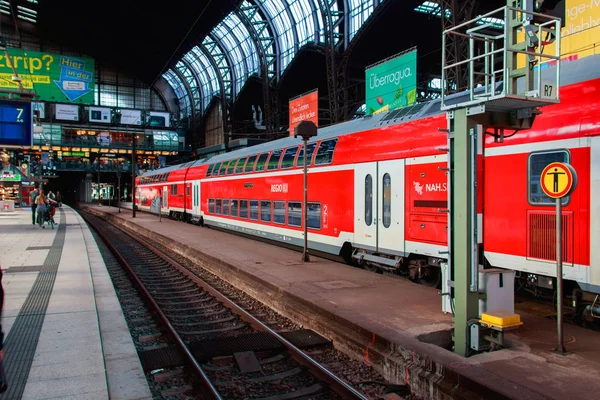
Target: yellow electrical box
(501, 320)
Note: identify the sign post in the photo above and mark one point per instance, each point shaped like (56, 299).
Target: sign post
(557, 181)
(306, 130)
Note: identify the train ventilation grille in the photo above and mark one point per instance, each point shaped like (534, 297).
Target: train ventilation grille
(541, 229)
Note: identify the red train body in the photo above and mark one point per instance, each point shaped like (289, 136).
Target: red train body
(378, 189)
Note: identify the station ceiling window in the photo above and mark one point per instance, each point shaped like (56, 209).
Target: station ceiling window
(433, 8)
(260, 25)
(209, 81)
(192, 82)
(180, 91)
(229, 55)
(236, 40)
(216, 53)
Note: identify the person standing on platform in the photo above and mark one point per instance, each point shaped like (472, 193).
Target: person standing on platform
(41, 208)
(33, 202)
(58, 199)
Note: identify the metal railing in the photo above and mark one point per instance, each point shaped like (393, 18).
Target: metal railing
(506, 46)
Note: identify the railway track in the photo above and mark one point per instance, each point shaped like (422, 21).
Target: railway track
(215, 346)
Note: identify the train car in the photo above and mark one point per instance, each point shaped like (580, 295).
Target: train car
(377, 190)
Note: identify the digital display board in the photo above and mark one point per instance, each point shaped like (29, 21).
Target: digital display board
(15, 123)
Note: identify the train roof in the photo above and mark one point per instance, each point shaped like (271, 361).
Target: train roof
(571, 72)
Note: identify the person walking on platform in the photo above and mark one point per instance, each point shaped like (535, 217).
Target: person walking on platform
(32, 201)
(41, 208)
(58, 199)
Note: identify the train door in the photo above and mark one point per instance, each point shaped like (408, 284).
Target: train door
(390, 206)
(165, 197)
(196, 198)
(595, 211)
(365, 206)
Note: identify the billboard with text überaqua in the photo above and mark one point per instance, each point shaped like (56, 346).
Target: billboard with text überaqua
(392, 83)
(54, 77)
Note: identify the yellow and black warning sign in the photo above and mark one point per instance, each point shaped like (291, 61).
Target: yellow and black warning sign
(558, 180)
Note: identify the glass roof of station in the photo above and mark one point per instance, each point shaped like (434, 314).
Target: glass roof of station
(180, 91)
(229, 55)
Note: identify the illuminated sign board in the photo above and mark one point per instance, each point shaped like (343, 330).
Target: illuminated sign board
(15, 123)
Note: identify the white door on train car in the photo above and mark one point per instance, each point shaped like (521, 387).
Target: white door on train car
(365, 206)
(595, 212)
(196, 198)
(390, 207)
(165, 197)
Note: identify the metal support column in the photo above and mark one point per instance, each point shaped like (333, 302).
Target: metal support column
(133, 168)
(463, 236)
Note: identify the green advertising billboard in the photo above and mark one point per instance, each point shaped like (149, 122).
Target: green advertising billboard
(392, 83)
(54, 77)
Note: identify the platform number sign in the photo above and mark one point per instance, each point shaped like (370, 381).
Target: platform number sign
(558, 180)
(548, 90)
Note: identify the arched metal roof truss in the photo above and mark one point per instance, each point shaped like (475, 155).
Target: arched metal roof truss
(180, 91)
(229, 55)
(200, 63)
(236, 40)
(192, 84)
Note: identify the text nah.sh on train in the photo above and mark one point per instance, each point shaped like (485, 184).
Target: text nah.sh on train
(429, 187)
(279, 188)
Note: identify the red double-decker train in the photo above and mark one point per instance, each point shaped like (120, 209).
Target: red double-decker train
(378, 189)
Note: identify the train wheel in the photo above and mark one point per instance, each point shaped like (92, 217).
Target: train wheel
(430, 276)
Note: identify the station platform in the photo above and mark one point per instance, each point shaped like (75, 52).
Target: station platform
(65, 334)
(395, 325)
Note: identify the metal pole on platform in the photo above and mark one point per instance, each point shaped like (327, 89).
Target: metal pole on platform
(305, 255)
(305, 129)
(119, 189)
(133, 164)
(559, 277)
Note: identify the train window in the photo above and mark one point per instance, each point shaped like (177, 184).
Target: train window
(225, 206)
(537, 163)
(325, 152)
(239, 168)
(243, 208)
(173, 190)
(261, 162)
(218, 203)
(279, 212)
(250, 164)
(288, 158)
(223, 170)
(231, 168)
(368, 200)
(274, 160)
(310, 149)
(215, 171)
(254, 209)
(234, 208)
(387, 200)
(188, 189)
(211, 206)
(294, 213)
(314, 215)
(265, 211)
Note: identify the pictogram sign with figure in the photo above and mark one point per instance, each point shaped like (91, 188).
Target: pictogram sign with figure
(558, 180)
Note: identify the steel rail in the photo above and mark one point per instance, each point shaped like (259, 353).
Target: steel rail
(208, 389)
(336, 384)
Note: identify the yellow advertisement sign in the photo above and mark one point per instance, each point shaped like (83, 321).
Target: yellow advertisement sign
(581, 34)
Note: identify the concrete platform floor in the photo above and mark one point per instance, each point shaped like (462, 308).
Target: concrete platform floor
(82, 348)
(392, 313)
